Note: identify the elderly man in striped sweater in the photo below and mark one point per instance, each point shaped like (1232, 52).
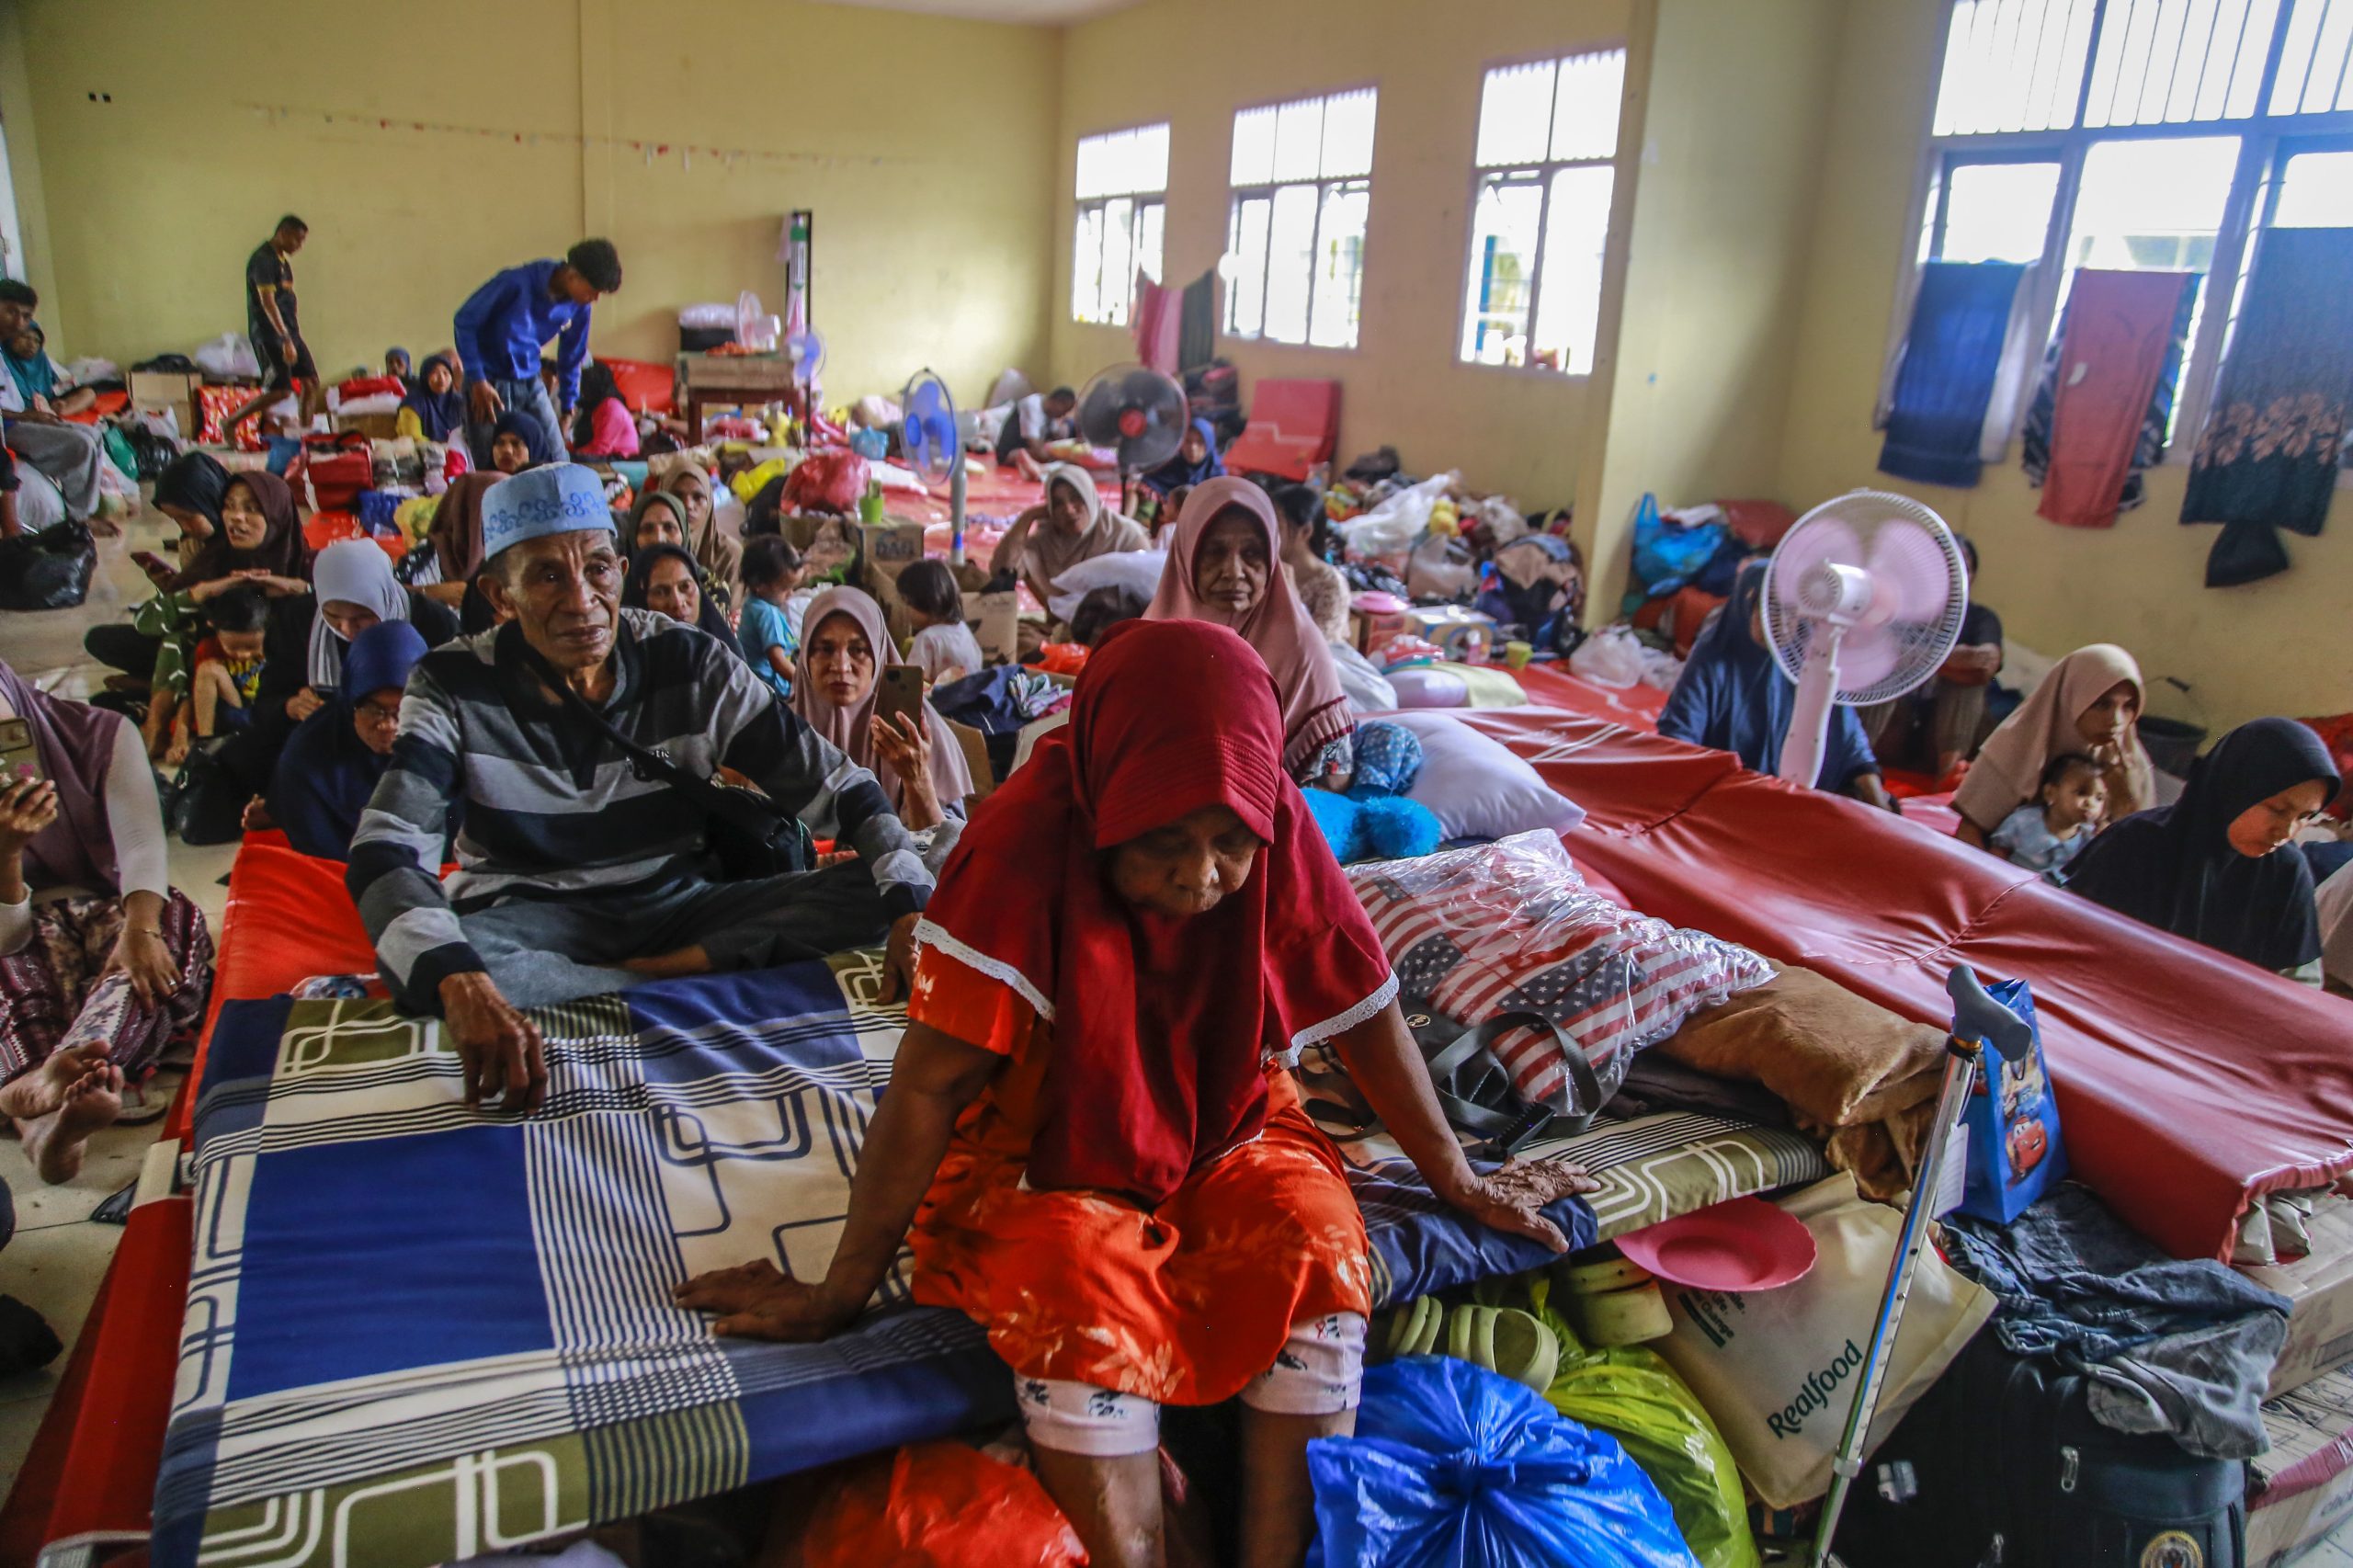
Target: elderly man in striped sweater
(577, 875)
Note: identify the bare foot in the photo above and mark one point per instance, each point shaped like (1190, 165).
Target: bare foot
(56, 1142)
(39, 1091)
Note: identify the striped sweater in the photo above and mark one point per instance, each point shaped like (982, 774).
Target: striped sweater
(551, 806)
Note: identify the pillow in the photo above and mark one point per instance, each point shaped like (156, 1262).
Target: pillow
(1425, 686)
(1476, 788)
(1511, 926)
(1135, 570)
(1368, 690)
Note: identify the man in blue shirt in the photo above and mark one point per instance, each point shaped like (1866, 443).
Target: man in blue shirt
(502, 328)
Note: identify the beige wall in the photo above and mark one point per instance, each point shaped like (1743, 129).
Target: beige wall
(925, 147)
(2278, 646)
(1193, 62)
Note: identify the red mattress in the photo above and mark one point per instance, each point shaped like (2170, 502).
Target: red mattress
(2188, 1082)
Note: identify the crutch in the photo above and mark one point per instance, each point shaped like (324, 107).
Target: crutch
(1977, 1021)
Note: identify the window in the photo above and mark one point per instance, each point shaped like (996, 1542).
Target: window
(2140, 135)
(1295, 236)
(1540, 211)
(1123, 178)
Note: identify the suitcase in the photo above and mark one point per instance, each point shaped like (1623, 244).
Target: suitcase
(2004, 1468)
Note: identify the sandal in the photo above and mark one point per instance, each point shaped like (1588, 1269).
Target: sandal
(1507, 1341)
(1414, 1328)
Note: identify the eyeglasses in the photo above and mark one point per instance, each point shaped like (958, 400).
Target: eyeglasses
(369, 713)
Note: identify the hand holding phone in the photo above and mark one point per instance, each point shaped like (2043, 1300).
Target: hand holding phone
(20, 756)
(899, 694)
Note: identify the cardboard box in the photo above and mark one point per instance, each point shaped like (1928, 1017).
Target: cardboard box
(2319, 1288)
(172, 390)
(1000, 628)
(2303, 1489)
(893, 545)
(375, 426)
(1463, 636)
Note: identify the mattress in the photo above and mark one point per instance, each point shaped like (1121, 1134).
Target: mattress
(416, 1331)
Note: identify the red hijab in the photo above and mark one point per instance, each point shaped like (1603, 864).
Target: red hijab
(1161, 1025)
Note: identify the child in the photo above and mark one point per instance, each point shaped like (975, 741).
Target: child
(943, 644)
(228, 672)
(771, 571)
(2046, 832)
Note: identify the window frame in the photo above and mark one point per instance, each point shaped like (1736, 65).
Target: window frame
(2266, 141)
(1139, 201)
(1325, 188)
(1543, 173)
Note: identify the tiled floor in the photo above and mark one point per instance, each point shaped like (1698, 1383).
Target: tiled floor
(60, 1253)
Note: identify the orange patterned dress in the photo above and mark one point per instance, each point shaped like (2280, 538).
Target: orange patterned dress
(1183, 1304)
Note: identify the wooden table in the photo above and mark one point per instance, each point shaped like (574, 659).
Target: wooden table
(743, 379)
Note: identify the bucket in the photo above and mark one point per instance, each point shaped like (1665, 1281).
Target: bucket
(2172, 744)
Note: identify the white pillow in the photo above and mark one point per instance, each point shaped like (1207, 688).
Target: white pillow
(1476, 788)
(1367, 688)
(1423, 685)
(1135, 570)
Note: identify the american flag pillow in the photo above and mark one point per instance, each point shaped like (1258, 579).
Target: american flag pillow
(1510, 926)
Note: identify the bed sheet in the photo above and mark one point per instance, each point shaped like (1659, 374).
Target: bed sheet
(2188, 1082)
(416, 1331)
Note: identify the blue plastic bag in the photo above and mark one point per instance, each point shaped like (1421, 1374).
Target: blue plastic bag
(2012, 1121)
(1451, 1464)
(1667, 554)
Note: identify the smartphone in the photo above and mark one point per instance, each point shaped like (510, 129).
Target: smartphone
(899, 689)
(20, 757)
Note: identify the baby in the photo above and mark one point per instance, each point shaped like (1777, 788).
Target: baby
(2046, 832)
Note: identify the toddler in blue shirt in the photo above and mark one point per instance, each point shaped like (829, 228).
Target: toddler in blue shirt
(2046, 832)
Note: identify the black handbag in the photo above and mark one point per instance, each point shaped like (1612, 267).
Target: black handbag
(749, 834)
(1476, 1092)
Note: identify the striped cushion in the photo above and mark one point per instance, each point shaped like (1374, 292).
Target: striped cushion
(1510, 926)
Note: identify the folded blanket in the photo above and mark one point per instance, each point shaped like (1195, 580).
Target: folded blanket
(1858, 1078)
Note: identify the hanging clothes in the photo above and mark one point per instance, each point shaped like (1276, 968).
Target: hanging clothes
(1952, 356)
(2268, 455)
(1158, 324)
(2106, 392)
(1197, 334)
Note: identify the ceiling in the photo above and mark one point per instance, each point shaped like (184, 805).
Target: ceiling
(1037, 13)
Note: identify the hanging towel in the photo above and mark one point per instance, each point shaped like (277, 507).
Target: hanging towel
(1960, 319)
(2268, 455)
(1158, 321)
(2149, 448)
(2108, 382)
(1197, 338)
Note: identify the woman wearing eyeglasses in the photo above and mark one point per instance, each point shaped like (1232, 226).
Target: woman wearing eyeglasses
(332, 760)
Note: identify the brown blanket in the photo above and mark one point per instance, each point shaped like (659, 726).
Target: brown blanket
(1854, 1075)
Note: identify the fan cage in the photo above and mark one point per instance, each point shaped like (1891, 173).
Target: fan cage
(1922, 647)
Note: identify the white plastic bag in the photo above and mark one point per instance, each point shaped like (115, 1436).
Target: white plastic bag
(226, 357)
(85, 370)
(1367, 689)
(1502, 520)
(1611, 657)
(1777, 1369)
(1394, 526)
(1441, 569)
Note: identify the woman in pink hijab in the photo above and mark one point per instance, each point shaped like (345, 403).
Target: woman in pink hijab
(845, 643)
(1226, 567)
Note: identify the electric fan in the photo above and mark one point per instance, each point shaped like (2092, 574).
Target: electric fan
(928, 440)
(754, 328)
(1863, 599)
(1138, 412)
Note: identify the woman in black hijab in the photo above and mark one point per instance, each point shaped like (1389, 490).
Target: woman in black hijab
(2208, 867)
(662, 577)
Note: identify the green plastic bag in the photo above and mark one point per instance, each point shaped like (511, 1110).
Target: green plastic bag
(1634, 1395)
(119, 452)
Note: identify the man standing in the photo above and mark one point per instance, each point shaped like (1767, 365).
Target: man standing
(509, 319)
(275, 328)
(577, 875)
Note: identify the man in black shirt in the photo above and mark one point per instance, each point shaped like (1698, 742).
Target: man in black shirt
(276, 331)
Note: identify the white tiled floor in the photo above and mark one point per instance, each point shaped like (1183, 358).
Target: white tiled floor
(60, 1253)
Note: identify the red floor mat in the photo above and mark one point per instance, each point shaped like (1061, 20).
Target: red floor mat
(2188, 1081)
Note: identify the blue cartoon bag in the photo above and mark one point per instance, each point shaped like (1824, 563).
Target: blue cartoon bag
(2012, 1123)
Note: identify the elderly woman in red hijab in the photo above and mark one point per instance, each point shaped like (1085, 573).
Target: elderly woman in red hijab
(102, 963)
(1090, 1127)
(1226, 567)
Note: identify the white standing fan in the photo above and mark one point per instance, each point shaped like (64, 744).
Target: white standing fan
(1863, 599)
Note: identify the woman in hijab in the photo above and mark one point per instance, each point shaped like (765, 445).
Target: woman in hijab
(190, 492)
(103, 964)
(434, 409)
(517, 441)
(335, 758)
(1068, 527)
(1224, 567)
(720, 556)
(1196, 460)
(658, 517)
(1103, 1159)
(666, 580)
(37, 378)
(844, 645)
(2217, 866)
(1731, 696)
(353, 583)
(2090, 702)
